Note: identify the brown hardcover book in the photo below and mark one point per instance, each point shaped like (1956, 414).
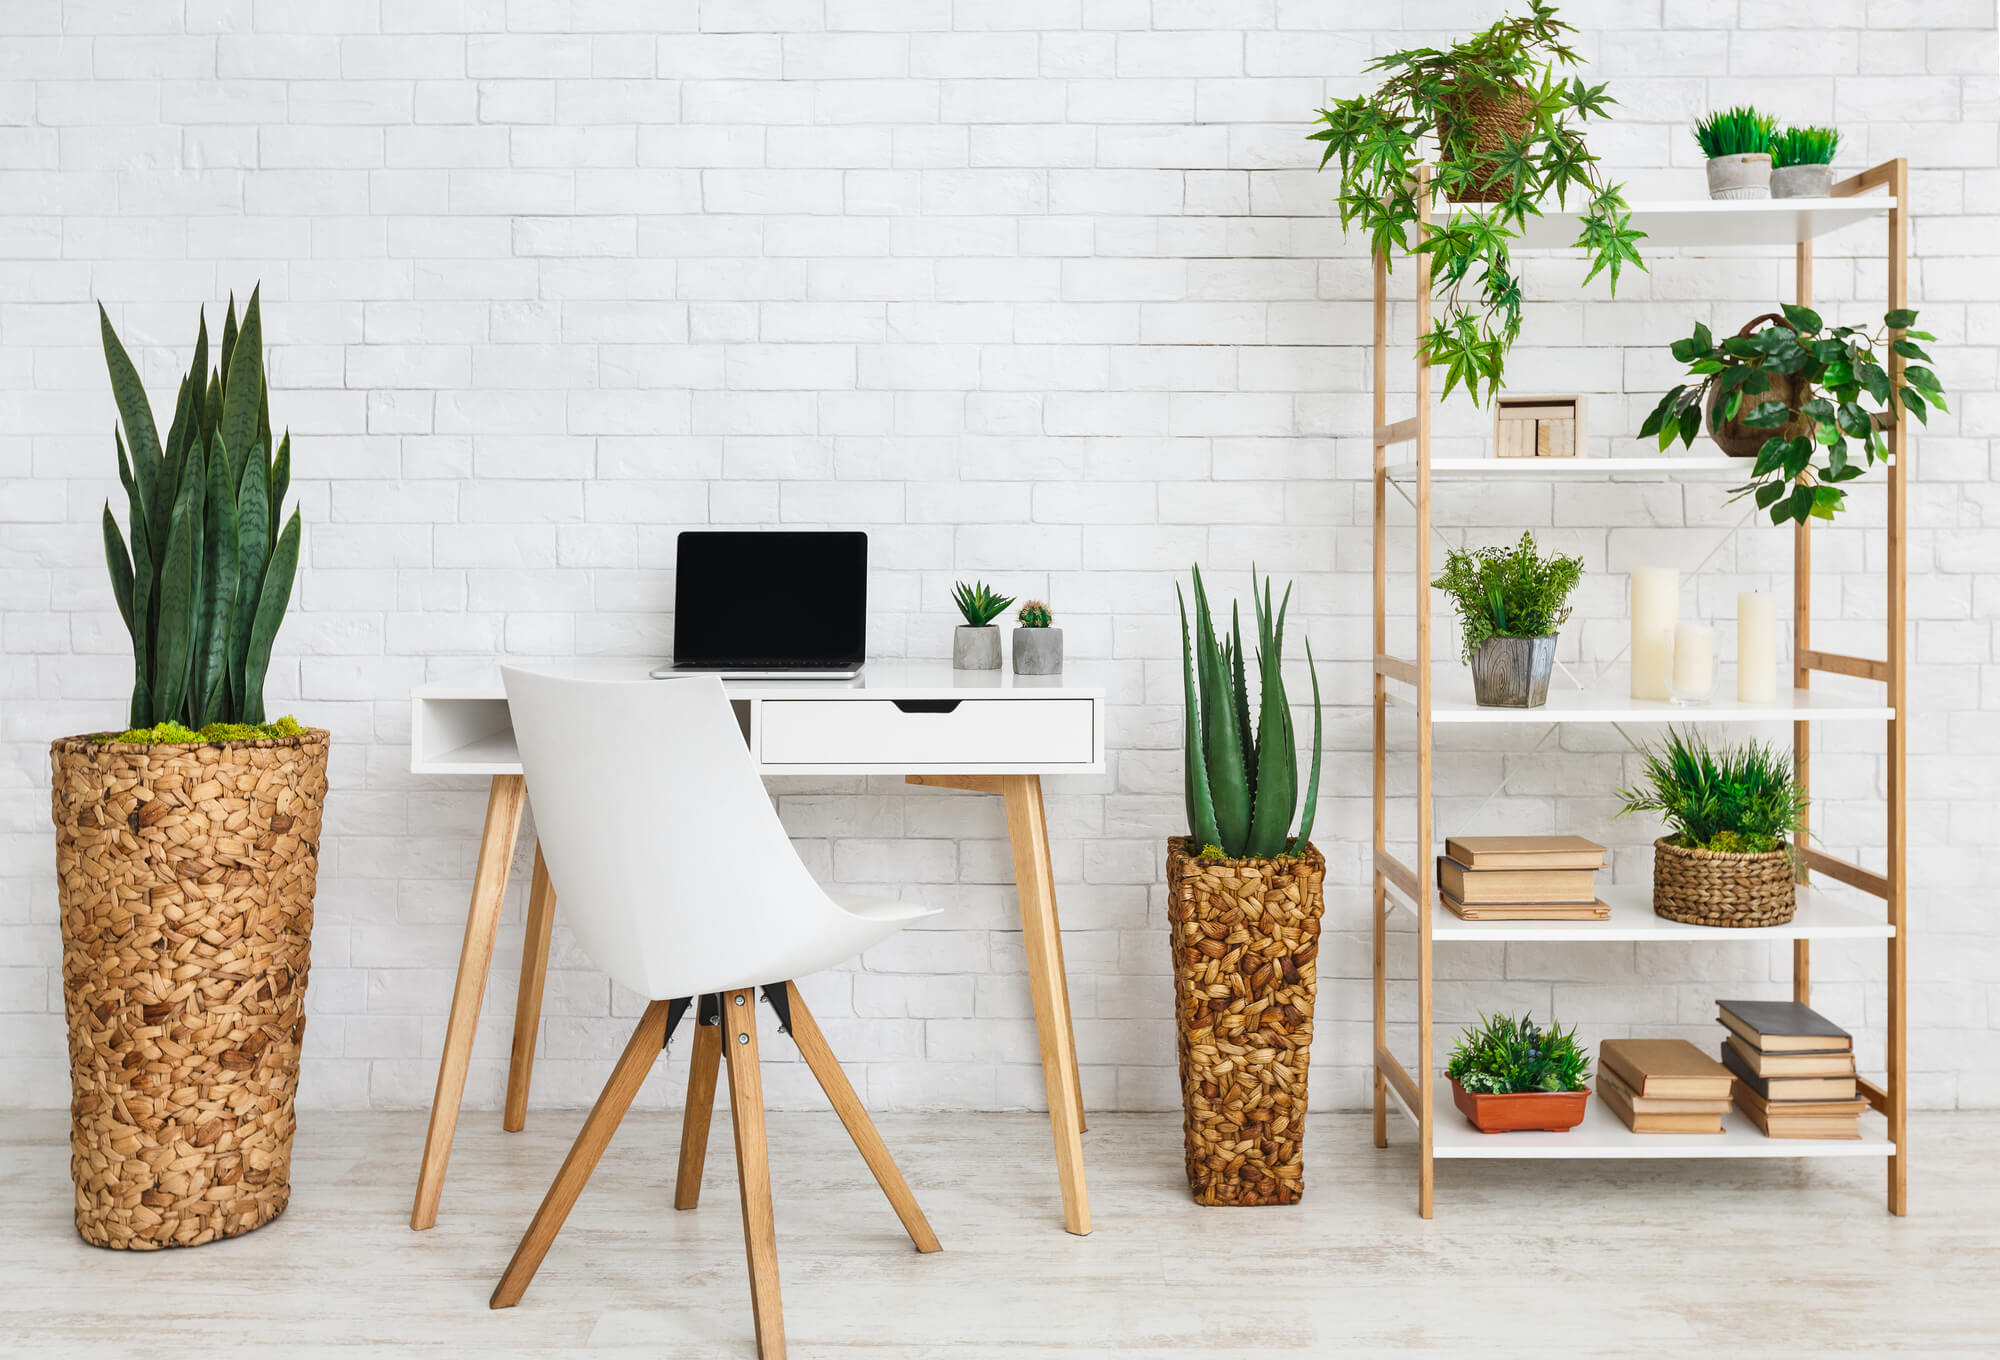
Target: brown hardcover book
(1801, 1126)
(1747, 1099)
(1783, 1027)
(1526, 911)
(1525, 852)
(1615, 1100)
(1791, 1064)
(1608, 1081)
(1788, 1088)
(1507, 887)
(1668, 1068)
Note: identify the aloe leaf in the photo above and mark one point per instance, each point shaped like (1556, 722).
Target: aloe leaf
(1239, 696)
(1200, 806)
(218, 596)
(271, 602)
(1278, 771)
(1229, 782)
(253, 534)
(121, 567)
(1303, 840)
(242, 388)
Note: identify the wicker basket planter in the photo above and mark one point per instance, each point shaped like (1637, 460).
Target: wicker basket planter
(1487, 121)
(185, 879)
(1245, 941)
(1706, 888)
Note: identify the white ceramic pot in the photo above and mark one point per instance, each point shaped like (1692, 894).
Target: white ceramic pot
(1745, 176)
(1802, 181)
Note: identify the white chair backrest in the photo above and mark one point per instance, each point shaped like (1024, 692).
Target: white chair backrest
(667, 858)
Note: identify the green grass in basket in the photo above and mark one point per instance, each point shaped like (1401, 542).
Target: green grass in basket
(1737, 801)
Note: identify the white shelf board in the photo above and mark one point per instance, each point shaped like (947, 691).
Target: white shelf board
(1823, 914)
(1608, 702)
(1602, 1134)
(1696, 222)
(1529, 469)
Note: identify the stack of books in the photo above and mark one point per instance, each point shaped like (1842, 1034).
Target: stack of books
(1662, 1085)
(1522, 878)
(1793, 1069)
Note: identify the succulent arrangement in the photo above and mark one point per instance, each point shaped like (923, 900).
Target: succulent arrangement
(1739, 131)
(1504, 1056)
(1809, 391)
(1509, 132)
(1034, 614)
(1242, 785)
(1508, 592)
(1804, 146)
(204, 583)
(1744, 801)
(979, 603)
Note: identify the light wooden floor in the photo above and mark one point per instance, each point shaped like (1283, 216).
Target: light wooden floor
(1588, 1258)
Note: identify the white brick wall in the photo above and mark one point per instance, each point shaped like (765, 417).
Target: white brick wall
(1040, 290)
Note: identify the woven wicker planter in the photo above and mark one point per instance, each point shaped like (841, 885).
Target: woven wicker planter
(1705, 888)
(185, 879)
(1484, 123)
(1245, 941)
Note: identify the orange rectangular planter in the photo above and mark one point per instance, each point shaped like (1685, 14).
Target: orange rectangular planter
(1518, 1111)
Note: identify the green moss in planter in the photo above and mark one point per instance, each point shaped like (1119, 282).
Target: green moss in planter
(173, 732)
(1504, 1056)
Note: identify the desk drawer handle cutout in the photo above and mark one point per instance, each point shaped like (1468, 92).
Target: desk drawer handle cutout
(925, 705)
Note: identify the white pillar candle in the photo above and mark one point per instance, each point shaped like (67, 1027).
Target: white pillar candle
(1756, 647)
(1656, 595)
(1694, 662)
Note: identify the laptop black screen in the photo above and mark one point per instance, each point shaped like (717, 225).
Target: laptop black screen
(770, 598)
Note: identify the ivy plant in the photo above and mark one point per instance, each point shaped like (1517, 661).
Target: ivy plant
(1429, 106)
(1837, 388)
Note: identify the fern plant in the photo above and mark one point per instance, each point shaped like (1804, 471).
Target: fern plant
(1744, 801)
(1740, 131)
(1242, 785)
(1804, 146)
(979, 603)
(203, 585)
(1505, 1056)
(1508, 592)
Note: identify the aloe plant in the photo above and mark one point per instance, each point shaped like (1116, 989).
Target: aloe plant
(1242, 785)
(979, 603)
(204, 583)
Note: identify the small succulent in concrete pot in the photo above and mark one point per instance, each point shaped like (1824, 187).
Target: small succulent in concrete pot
(1510, 603)
(1737, 143)
(1802, 162)
(975, 644)
(1037, 646)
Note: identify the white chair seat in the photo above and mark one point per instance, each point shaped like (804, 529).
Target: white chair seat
(883, 908)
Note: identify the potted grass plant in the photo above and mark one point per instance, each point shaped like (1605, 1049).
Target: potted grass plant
(975, 644)
(1802, 162)
(1511, 1075)
(1737, 143)
(1505, 129)
(1244, 898)
(1733, 816)
(1038, 646)
(1510, 602)
(187, 846)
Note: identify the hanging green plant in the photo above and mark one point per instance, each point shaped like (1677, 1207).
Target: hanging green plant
(1506, 131)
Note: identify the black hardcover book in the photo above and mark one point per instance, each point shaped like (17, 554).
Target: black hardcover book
(1786, 1019)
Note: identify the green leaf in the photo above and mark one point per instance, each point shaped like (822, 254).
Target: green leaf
(281, 476)
(1909, 349)
(133, 409)
(243, 388)
(1277, 762)
(177, 620)
(221, 550)
(1768, 492)
(1304, 839)
(1805, 318)
(1690, 425)
(1229, 782)
(271, 602)
(1194, 770)
(1767, 415)
(253, 530)
(1899, 318)
(1800, 502)
(1913, 402)
(120, 563)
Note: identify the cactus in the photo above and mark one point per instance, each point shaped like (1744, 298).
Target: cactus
(1035, 614)
(979, 603)
(1242, 786)
(204, 583)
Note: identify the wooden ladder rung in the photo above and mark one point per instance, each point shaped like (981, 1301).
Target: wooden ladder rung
(1386, 1064)
(1396, 668)
(1846, 871)
(1836, 663)
(1400, 432)
(1399, 874)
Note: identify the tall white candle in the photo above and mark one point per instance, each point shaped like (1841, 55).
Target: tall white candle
(1656, 594)
(1756, 647)
(1694, 661)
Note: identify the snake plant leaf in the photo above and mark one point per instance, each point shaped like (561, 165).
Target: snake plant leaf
(133, 409)
(121, 567)
(228, 338)
(211, 404)
(242, 388)
(218, 596)
(1200, 805)
(253, 550)
(1229, 783)
(271, 602)
(176, 621)
(1303, 840)
(281, 477)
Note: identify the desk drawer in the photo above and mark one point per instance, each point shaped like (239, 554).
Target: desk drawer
(909, 733)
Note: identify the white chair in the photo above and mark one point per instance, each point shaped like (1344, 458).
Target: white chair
(679, 881)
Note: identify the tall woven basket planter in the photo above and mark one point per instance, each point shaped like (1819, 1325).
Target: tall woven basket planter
(185, 874)
(1707, 888)
(1245, 944)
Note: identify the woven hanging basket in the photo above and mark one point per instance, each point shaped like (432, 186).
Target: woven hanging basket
(1245, 941)
(1707, 888)
(1483, 121)
(185, 878)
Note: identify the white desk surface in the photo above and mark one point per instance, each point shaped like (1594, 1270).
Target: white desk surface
(878, 680)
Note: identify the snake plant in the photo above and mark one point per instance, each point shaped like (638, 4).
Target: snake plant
(1242, 785)
(204, 583)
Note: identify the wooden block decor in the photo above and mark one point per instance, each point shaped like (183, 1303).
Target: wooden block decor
(185, 879)
(1538, 427)
(1245, 941)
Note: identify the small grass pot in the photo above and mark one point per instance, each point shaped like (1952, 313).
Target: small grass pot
(1801, 181)
(1740, 177)
(185, 876)
(1520, 1111)
(1245, 945)
(1714, 888)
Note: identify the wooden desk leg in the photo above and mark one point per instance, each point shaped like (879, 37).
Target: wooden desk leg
(482, 919)
(528, 1002)
(1027, 829)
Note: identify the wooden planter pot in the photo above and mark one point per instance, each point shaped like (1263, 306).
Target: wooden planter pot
(185, 879)
(1245, 941)
(1520, 1111)
(1706, 888)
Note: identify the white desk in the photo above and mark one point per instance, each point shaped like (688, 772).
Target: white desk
(984, 731)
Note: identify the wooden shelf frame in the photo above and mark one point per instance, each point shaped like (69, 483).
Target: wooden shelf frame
(1417, 1095)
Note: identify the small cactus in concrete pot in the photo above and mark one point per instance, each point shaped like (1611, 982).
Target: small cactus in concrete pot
(1038, 648)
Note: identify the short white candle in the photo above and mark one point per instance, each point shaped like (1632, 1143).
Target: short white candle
(1694, 660)
(1756, 647)
(1656, 594)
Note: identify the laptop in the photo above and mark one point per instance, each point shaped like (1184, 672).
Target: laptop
(776, 605)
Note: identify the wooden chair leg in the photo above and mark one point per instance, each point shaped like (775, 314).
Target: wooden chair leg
(528, 1002)
(707, 1057)
(753, 1169)
(832, 1080)
(626, 1078)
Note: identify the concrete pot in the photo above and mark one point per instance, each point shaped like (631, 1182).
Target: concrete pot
(1038, 651)
(975, 649)
(1744, 176)
(1513, 672)
(1802, 181)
